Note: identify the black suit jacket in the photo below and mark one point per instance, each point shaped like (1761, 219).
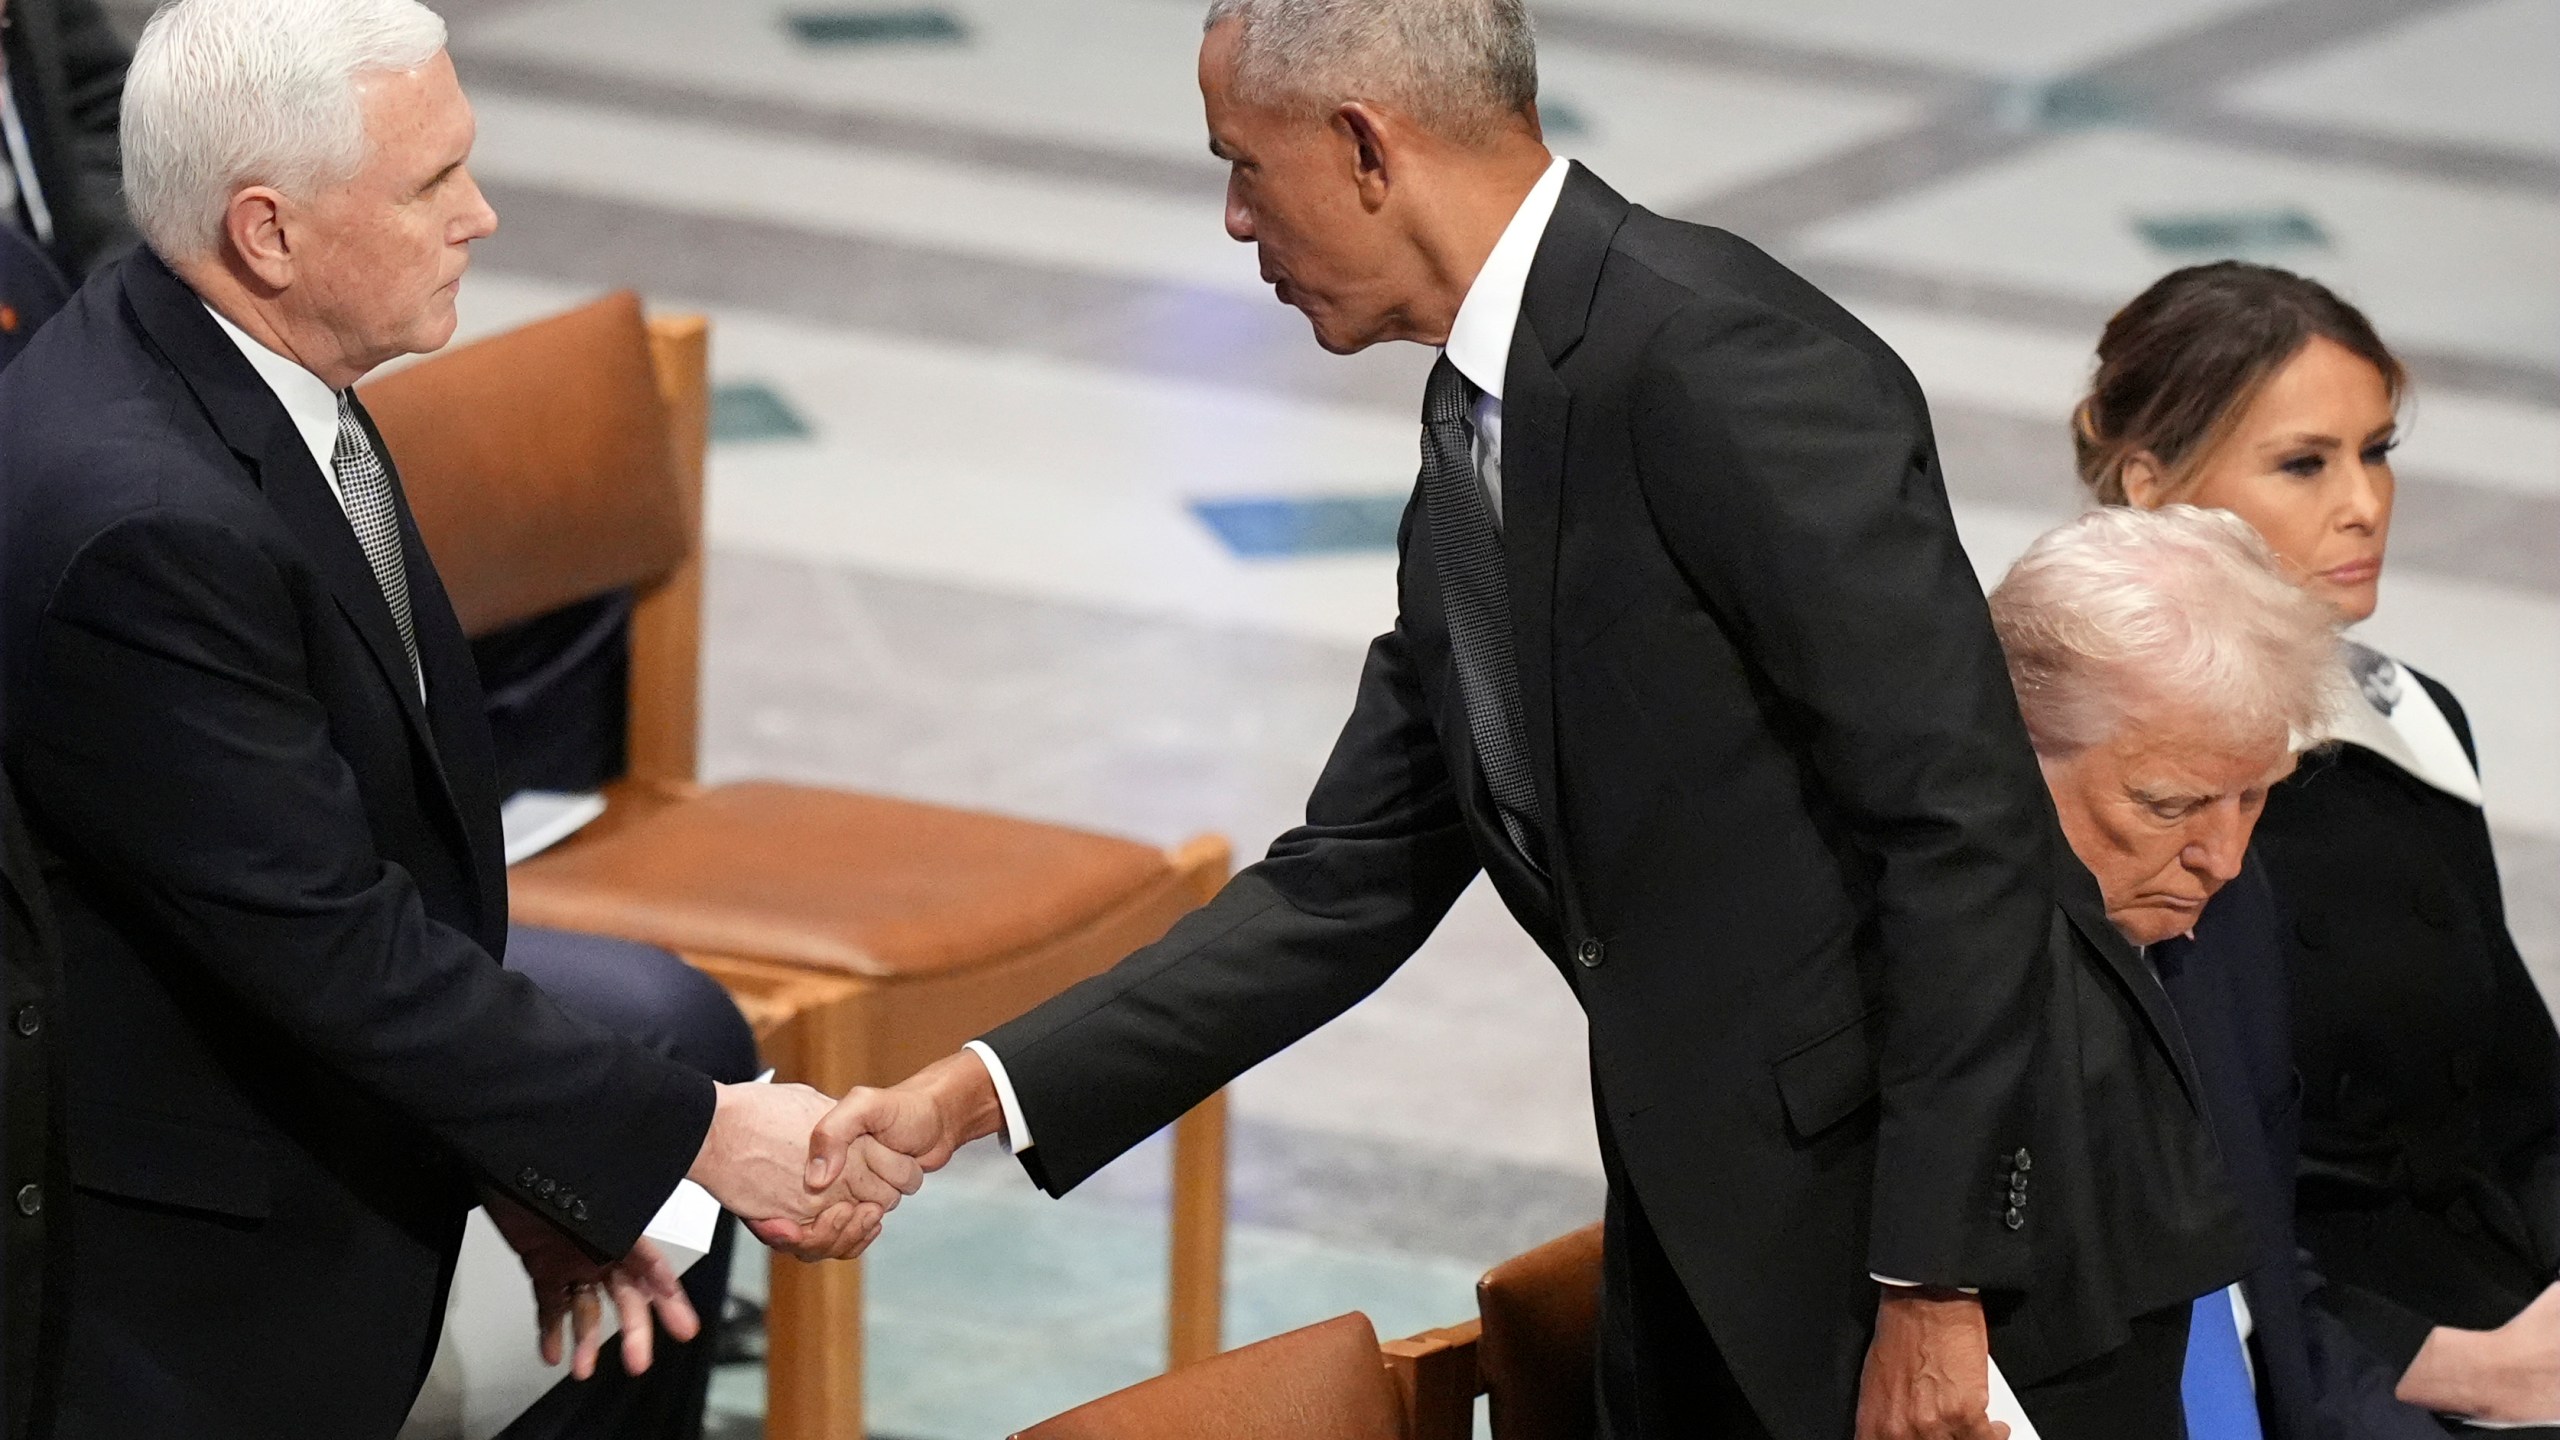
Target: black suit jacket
(1799, 844)
(2233, 990)
(31, 1168)
(2139, 1212)
(67, 66)
(2430, 1191)
(291, 1051)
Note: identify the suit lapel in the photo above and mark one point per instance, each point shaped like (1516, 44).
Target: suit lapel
(1537, 409)
(2077, 892)
(249, 418)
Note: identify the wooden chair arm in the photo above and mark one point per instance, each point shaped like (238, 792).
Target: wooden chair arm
(1435, 1372)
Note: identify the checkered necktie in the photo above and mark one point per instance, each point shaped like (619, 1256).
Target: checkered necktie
(364, 489)
(1476, 599)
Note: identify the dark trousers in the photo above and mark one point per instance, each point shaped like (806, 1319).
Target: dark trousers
(1659, 1372)
(2130, 1393)
(643, 994)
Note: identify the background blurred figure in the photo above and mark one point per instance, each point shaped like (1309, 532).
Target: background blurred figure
(61, 81)
(2430, 1185)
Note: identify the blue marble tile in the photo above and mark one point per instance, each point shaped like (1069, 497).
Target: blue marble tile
(751, 412)
(1281, 527)
(906, 25)
(2244, 234)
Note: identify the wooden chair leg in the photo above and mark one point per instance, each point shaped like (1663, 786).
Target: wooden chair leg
(813, 1351)
(1196, 1305)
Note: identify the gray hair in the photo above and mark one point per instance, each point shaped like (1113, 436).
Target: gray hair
(2124, 609)
(228, 93)
(1461, 67)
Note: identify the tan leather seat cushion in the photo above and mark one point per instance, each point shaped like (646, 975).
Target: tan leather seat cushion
(1541, 1316)
(1325, 1382)
(537, 463)
(832, 880)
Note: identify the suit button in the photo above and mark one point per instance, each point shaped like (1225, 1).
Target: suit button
(528, 1177)
(30, 1199)
(2022, 1162)
(578, 1211)
(1590, 953)
(29, 1022)
(2016, 1219)
(2017, 1192)
(547, 1189)
(2312, 931)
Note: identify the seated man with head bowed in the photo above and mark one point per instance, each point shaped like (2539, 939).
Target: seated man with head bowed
(2169, 672)
(249, 740)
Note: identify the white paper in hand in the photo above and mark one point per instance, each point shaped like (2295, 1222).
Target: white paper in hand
(2005, 1407)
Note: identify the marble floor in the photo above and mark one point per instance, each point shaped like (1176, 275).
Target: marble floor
(1029, 497)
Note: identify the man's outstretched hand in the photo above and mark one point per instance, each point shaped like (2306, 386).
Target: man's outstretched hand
(569, 1290)
(920, 1120)
(1928, 1374)
(755, 1163)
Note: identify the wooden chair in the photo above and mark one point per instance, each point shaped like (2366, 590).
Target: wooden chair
(1530, 1350)
(1321, 1383)
(862, 936)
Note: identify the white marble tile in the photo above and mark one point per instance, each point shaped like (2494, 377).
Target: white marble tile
(2486, 75)
(2023, 38)
(1116, 73)
(721, 172)
(1113, 73)
(2439, 265)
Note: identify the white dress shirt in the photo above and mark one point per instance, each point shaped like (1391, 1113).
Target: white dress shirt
(1480, 338)
(309, 403)
(1480, 347)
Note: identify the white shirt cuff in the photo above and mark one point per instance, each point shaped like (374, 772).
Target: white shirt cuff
(1017, 1131)
(1914, 1284)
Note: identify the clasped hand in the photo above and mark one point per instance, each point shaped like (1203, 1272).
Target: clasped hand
(755, 1162)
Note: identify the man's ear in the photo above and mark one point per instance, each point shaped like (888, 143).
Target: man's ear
(254, 223)
(1371, 151)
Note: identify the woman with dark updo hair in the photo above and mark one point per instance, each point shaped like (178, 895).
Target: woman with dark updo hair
(2428, 1193)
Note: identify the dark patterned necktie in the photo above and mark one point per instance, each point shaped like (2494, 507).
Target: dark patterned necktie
(364, 490)
(1475, 597)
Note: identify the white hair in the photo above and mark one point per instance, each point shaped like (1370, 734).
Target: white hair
(228, 93)
(2124, 610)
(1462, 67)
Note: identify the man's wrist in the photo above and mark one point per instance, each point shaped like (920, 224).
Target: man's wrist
(963, 1095)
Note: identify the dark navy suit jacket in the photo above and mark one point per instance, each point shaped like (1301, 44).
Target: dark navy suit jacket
(2233, 992)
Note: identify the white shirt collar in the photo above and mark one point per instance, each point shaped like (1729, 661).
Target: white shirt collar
(1480, 338)
(307, 399)
(2393, 716)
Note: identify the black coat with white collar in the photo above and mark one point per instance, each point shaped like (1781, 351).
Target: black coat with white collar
(291, 1054)
(2430, 1191)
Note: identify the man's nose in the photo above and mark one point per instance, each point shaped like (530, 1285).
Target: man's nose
(2220, 844)
(480, 218)
(1239, 218)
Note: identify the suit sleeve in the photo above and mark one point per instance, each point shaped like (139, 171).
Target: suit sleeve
(1289, 944)
(173, 748)
(1795, 482)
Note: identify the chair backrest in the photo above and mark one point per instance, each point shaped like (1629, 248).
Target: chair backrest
(1540, 1313)
(1325, 1382)
(561, 461)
